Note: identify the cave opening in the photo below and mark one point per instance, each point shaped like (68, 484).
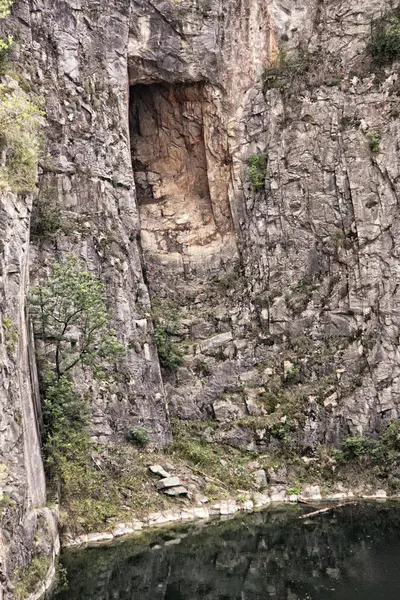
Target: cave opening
(181, 179)
(170, 166)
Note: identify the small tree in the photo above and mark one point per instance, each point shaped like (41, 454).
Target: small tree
(71, 317)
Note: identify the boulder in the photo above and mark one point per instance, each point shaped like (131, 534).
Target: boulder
(260, 479)
(277, 475)
(159, 470)
(168, 482)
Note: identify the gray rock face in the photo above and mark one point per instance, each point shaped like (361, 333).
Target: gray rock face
(22, 483)
(284, 299)
(260, 479)
(82, 72)
(314, 244)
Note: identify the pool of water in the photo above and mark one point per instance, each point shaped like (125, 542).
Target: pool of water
(352, 553)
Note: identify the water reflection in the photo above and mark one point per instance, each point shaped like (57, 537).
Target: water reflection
(349, 554)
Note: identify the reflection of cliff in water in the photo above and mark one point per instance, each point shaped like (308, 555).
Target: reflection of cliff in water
(350, 554)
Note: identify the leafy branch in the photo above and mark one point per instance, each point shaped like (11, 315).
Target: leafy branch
(71, 317)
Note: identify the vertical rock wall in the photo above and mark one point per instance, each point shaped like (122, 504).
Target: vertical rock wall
(22, 483)
(79, 58)
(317, 293)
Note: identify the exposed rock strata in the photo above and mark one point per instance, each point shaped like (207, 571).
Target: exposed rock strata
(316, 284)
(292, 288)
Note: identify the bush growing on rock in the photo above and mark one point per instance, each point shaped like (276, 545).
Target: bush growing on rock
(28, 579)
(383, 454)
(71, 317)
(166, 325)
(5, 49)
(385, 43)
(139, 436)
(46, 219)
(374, 140)
(20, 122)
(5, 8)
(286, 68)
(257, 170)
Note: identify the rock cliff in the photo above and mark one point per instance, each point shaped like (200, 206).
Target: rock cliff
(229, 171)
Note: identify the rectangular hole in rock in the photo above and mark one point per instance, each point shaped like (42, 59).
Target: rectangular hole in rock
(169, 160)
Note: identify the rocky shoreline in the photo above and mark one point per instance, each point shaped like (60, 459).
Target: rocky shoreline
(204, 510)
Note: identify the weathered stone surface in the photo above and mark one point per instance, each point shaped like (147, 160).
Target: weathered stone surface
(176, 491)
(278, 493)
(159, 470)
(168, 482)
(301, 271)
(311, 492)
(25, 527)
(277, 475)
(260, 479)
(229, 409)
(121, 530)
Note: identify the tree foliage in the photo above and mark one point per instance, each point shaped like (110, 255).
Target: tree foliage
(71, 317)
(66, 440)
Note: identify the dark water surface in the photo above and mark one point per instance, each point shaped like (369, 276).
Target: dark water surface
(352, 553)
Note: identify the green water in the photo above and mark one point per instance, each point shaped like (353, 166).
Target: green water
(352, 553)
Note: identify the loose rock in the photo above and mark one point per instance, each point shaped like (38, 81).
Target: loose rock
(168, 482)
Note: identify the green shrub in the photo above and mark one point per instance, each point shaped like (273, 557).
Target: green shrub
(27, 580)
(355, 446)
(70, 316)
(20, 121)
(374, 140)
(5, 8)
(46, 219)
(138, 436)
(381, 455)
(10, 330)
(257, 170)
(169, 355)
(5, 50)
(385, 41)
(166, 317)
(5, 43)
(291, 375)
(386, 452)
(66, 441)
(286, 69)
